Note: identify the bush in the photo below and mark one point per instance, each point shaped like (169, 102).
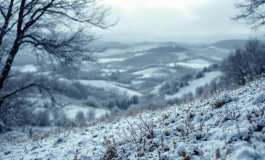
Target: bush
(42, 118)
(63, 121)
(199, 91)
(92, 102)
(218, 103)
(223, 99)
(115, 111)
(90, 116)
(199, 75)
(80, 117)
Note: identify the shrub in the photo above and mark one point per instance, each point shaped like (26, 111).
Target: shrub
(80, 117)
(218, 103)
(90, 116)
(63, 121)
(199, 91)
(223, 99)
(111, 151)
(199, 75)
(92, 102)
(42, 118)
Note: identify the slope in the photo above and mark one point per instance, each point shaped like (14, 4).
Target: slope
(228, 125)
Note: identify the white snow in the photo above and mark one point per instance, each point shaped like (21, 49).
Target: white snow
(217, 58)
(194, 84)
(181, 55)
(150, 72)
(108, 60)
(135, 49)
(137, 82)
(215, 49)
(156, 89)
(140, 54)
(259, 99)
(112, 70)
(110, 86)
(72, 110)
(194, 130)
(225, 97)
(195, 63)
(28, 68)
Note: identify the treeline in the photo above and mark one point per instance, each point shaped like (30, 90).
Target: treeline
(240, 67)
(245, 64)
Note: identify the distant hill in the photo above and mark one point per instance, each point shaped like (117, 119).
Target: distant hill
(167, 43)
(110, 45)
(117, 45)
(168, 49)
(229, 44)
(154, 56)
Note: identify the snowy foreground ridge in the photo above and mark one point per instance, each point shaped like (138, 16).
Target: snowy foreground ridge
(228, 125)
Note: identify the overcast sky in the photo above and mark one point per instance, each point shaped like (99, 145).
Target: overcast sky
(175, 20)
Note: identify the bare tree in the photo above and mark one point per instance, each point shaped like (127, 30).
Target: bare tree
(58, 29)
(252, 11)
(245, 63)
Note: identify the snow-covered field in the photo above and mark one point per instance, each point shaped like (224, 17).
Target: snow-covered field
(195, 63)
(150, 72)
(72, 110)
(108, 60)
(110, 86)
(214, 49)
(194, 84)
(137, 48)
(228, 125)
(181, 55)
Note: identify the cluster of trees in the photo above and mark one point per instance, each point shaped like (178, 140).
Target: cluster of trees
(96, 97)
(209, 88)
(245, 63)
(239, 67)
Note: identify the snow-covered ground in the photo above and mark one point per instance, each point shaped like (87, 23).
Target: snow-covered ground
(150, 72)
(112, 70)
(214, 49)
(110, 86)
(72, 110)
(108, 60)
(216, 58)
(194, 84)
(195, 63)
(140, 54)
(181, 55)
(135, 49)
(228, 125)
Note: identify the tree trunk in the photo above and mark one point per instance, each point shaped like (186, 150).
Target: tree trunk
(8, 64)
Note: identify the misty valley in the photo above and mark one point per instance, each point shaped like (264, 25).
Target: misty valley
(126, 76)
(132, 79)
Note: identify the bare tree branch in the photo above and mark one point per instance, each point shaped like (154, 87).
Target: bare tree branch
(41, 19)
(252, 11)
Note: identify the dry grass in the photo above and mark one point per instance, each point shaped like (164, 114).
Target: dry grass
(219, 103)
(110, 149)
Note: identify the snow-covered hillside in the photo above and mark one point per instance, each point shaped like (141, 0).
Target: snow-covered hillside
(227, 125)
(152, 72)
(194, 63)
(110, 86)
(194, 84)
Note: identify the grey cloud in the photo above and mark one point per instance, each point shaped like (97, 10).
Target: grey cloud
(209, 21)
